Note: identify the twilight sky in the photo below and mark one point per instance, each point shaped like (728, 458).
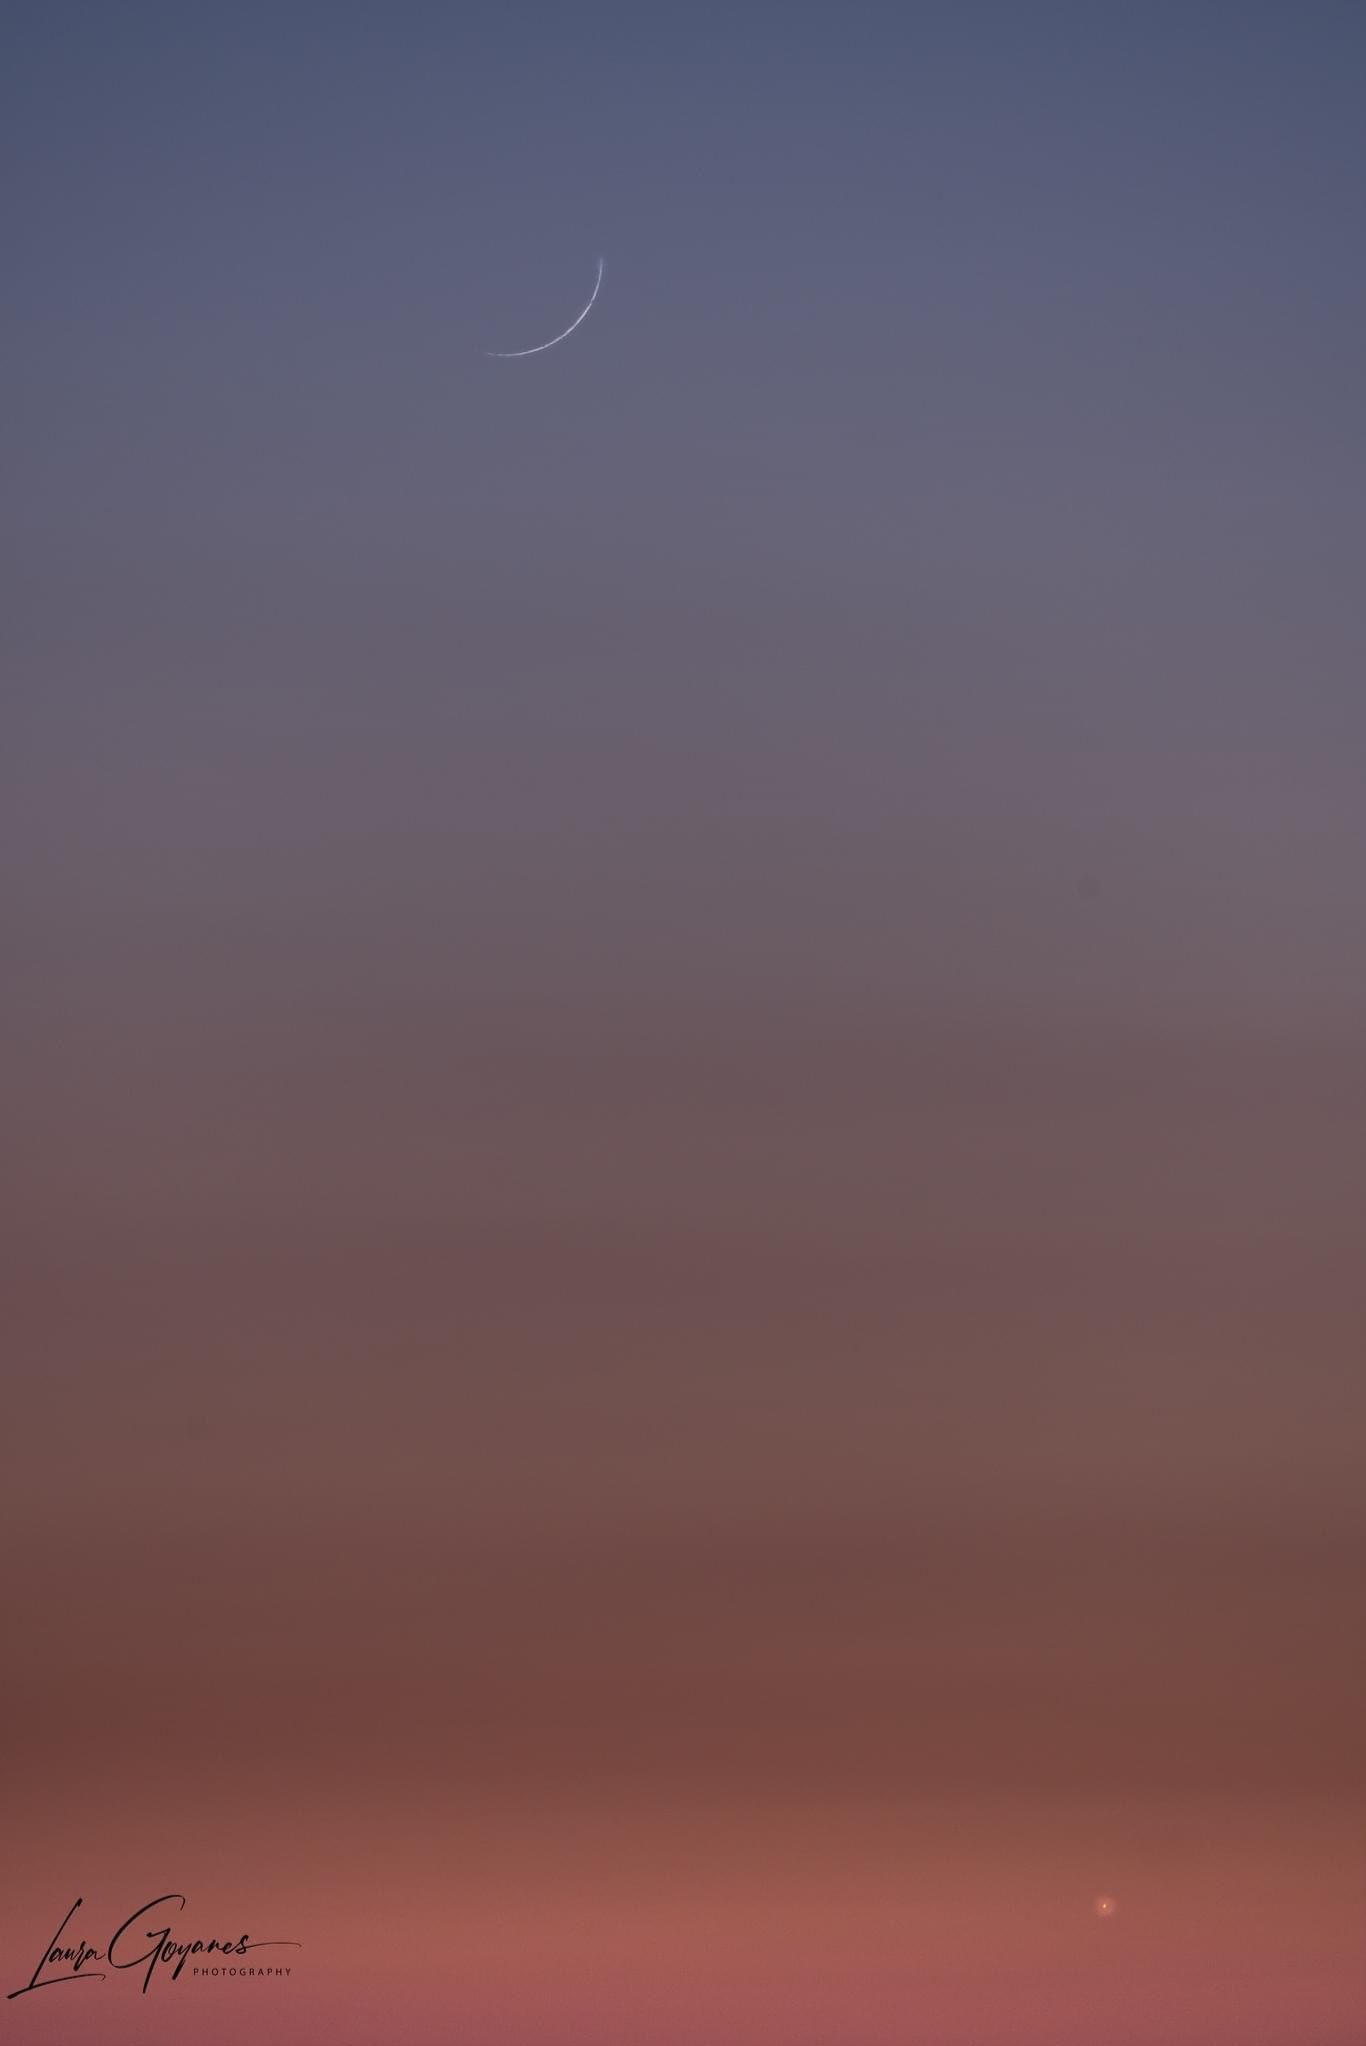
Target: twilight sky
(685, 1037)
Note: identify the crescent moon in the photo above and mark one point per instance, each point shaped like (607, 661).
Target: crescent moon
(514, 354)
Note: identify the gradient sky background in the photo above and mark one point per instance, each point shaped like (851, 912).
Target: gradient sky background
(685, 1038)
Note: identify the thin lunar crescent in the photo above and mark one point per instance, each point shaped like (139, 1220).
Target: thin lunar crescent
(513, 354)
